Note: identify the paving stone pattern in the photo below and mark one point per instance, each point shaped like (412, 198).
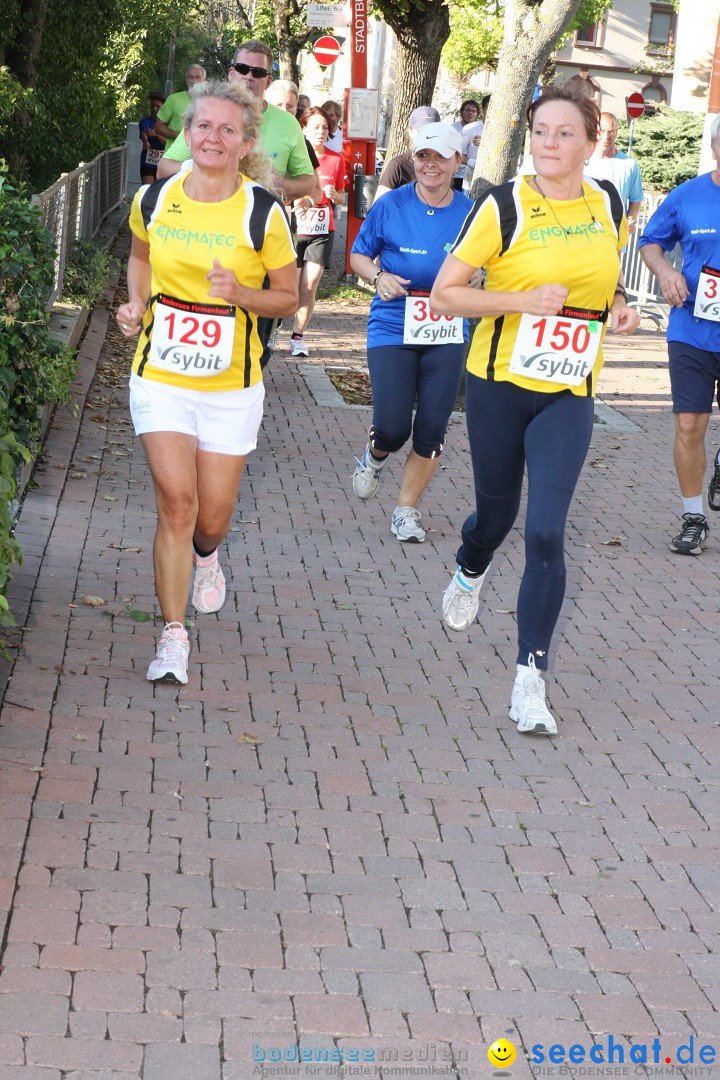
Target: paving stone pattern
(334, 837)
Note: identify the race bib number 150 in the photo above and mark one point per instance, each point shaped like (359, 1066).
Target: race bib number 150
(192, 339)
(559, 348)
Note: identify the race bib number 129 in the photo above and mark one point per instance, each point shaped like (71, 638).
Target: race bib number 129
(559, 348)
(192, 339)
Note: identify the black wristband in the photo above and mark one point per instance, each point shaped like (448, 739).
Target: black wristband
(620, 291)
(374, 280)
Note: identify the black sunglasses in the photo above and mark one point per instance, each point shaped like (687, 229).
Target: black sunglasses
(247, 69)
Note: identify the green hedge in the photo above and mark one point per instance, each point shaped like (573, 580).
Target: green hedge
(34, 370)
(666, 146)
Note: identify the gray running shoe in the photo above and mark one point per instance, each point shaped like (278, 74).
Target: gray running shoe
(366, 478)
(406, 525)
(693, 535)
(461, 600)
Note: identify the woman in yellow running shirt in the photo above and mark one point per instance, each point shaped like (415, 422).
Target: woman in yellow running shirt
(204, 242)
(550, 246)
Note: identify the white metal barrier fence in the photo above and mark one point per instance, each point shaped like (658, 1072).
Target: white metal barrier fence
(76, 205)
(642, 286)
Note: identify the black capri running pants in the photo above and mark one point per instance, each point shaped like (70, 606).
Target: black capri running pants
(509, 426)
(401, 373)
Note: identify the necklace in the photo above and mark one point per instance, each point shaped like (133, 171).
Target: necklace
(594, 223)
(433, 206)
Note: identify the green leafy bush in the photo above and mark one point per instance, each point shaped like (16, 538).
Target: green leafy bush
(86, 273)
(34, 370)
(666, 145)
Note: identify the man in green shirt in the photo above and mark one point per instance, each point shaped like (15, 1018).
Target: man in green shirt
(280, 133)
(169, 120)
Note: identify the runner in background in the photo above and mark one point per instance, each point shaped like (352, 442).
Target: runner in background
(412, 354)
(315, 223)
(689, 215)
(152, 144)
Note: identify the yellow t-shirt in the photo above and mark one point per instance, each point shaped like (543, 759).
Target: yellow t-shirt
(189, 338)
(524, 241)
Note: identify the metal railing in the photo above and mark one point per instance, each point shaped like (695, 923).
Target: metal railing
(642, 286)
(76, 205)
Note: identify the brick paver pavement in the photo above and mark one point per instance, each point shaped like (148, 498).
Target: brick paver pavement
(333, 838)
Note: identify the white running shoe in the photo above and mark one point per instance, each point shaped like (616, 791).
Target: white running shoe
(527, 705)
(366, 478)
(298, 347)
(208, 593)
(461, 600)
(406, 525)
(171, 658)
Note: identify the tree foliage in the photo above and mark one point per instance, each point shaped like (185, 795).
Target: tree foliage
(531, 32)
(72, 80)
(666, 146)
(477, 28)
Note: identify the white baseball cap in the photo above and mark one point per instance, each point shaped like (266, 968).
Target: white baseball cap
(440, 137)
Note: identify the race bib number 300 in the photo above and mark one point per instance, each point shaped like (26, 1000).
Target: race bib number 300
(559, 348)
(192, 339)
(424, 327)
(707, 298)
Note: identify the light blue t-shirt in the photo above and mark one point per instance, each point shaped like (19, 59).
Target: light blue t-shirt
(620, 170)
(690, 216)
(412, 244)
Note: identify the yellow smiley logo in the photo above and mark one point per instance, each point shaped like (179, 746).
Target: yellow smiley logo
(501, 1054)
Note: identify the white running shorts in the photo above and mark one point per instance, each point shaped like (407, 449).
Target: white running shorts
(222, 421)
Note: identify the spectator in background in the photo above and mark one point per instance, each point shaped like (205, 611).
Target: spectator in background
(333, 111)
(303, 103)
(609, 163)
(169, 122)
(152, 144)
(470, 127)
(284, 94)
(400, 169)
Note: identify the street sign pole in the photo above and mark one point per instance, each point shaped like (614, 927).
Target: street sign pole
(635, 107)
(358, 152)
(631, 129)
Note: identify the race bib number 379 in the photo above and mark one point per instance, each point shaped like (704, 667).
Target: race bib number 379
(707, 298)
(192, 339)
(559, 348)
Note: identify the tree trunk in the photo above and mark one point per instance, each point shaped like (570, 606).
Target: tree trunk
(420, 35)
(289, 44)
(21, 58)
(23, 53)
(532, 31)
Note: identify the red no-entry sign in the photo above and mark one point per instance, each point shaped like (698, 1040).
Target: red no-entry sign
(635, 105)
(326, 50)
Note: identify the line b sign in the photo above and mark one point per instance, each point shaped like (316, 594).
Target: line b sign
(326, 51)
(635, 105)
